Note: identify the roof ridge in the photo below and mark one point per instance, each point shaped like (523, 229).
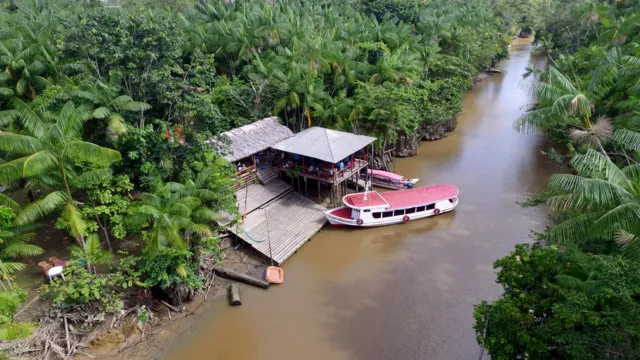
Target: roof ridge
(329, 145)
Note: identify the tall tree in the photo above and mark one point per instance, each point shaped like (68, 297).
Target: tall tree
(50, 155)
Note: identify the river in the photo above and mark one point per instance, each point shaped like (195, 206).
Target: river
(404, 291)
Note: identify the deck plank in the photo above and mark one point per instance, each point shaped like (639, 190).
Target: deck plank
(293, 219)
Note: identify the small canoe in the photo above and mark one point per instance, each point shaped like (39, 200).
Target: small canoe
(274, 275)
(391, 180)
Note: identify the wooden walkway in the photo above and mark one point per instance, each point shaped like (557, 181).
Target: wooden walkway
(259, 195)
(293, 219)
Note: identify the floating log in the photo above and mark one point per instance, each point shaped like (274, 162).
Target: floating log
(493, 71)
(230, 274)
(234, 295)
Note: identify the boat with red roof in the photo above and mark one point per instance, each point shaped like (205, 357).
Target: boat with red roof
(391, 180)
(378, 209)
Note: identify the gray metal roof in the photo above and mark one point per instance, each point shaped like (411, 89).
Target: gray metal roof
(324, 144)
(247, 140)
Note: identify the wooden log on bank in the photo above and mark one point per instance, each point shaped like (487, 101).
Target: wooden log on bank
(493, 71)
(230, 274)
(234, 295)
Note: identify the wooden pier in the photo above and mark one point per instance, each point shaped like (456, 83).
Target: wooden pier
(293, 219)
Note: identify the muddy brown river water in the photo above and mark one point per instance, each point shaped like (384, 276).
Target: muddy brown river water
(404, 291)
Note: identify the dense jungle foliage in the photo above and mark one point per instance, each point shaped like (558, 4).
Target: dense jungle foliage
(105, 107)
(576, 294)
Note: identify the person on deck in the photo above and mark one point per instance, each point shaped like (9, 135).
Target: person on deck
(341, 166)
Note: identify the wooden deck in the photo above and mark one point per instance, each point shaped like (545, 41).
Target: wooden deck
(293, 220)
(259, 195)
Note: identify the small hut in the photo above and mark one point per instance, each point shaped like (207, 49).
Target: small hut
(242, 146)
(327, 156)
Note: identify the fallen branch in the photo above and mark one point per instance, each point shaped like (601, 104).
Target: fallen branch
(26, 306)
(209, 287)
(175, 309)
(66, 331)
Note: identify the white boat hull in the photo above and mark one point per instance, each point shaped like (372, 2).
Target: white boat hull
(384, 221)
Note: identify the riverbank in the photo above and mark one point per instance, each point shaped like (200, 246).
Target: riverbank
(410, 287)
(164, 337)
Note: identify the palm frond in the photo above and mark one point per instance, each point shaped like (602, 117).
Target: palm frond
(41, 208)
(632, 172)
(627, 138)
(41, 162)
(593, 164)
(623, 217)
(574, 230)
(76, 223)
(151, 200)
(190, 202)
(204, 214)
(149, 210)
(115, 127)
(201, 229)
(181, 210)
(11, 171)
(8, 202)
(629, 243)
(19, 144)
(86, 151)
(89, 178)
(101, 112)
(31, 120)
(18, 250)
(7, 117)
(10, 267)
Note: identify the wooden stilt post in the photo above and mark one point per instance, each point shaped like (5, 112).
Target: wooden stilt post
(319, 195)
(306, 191)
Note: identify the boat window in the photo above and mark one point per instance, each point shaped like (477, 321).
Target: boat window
(420, 209)
(410, 210)
(431, 206)
(398, 213)
(377, 215)
(387, 214)
(368, 210)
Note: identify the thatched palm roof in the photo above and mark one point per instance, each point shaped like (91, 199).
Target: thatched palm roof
(247, 140)
(324, 144)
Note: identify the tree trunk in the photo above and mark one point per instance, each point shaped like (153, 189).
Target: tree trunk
(106, 233)
(234, 295)
(230, 274)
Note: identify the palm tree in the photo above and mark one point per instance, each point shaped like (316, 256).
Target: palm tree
(47, 156)
(562, 102)
(174, 213)
(14, 245)
(109, 105)
(601, 199)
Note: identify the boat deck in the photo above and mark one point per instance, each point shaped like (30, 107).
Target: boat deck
(293, 219)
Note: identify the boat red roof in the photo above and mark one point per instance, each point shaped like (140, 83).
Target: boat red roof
(358, 200)
(403, 198)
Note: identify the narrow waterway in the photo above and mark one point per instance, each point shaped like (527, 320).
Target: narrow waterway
(404, 291)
